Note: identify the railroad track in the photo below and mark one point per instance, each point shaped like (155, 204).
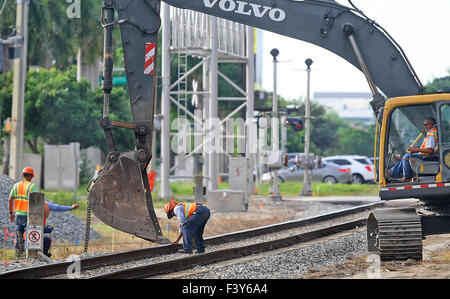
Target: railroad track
(165, 259)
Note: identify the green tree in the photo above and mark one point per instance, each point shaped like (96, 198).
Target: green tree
(120, 109)
(88, 32)
(53, 38)
(439, 84)
(330, 134)
(50, 36)
(60, 110)
(354, 141)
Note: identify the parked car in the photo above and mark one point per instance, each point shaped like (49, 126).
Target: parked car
(372, 159)
(361, 167)
(330, 173)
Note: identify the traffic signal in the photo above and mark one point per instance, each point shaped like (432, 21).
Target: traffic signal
(295, 122)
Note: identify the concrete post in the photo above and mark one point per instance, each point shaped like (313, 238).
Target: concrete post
(35, 224)
(198, 189)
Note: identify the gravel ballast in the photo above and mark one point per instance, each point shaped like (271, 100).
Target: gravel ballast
(290, 264)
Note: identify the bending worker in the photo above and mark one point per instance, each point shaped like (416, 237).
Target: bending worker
(429, 146)
(19, 195)
(193, 218)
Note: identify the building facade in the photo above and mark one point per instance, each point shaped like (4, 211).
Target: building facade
(352, 106)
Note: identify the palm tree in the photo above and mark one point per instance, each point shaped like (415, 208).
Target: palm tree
(89, 38)
(50, 36)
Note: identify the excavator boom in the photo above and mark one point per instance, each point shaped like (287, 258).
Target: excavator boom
(120, 196)
(322, 23)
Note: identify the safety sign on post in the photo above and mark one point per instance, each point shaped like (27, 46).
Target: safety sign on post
(34, 237)
(35, 226)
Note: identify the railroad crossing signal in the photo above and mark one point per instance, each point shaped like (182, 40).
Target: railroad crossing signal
(295, 122)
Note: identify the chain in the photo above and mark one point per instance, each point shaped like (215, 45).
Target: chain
(88, 227)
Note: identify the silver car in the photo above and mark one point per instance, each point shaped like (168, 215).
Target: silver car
(330, 173)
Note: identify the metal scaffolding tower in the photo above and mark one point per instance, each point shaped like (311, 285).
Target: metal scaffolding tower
(191, 34)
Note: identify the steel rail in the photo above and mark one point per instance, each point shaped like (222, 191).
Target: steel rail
(226, 254)
(136, 254)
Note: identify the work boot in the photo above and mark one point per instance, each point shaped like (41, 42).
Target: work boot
(19, 254)
(20, 250)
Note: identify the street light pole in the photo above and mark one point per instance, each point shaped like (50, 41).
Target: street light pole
(307, 188)
(275, 194)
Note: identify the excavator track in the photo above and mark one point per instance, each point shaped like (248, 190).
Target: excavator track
(395, 234)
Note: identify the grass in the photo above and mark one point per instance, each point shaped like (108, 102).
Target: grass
(186, 189)
(321, 189)
(290, 189)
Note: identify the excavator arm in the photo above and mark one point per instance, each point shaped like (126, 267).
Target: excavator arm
(120, 196)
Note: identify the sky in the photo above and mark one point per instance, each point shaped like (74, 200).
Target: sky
(420, 27)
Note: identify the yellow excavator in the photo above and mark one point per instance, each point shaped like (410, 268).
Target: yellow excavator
(120, 196)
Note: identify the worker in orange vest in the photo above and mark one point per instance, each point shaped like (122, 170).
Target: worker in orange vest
(193, 218)
(430, 145)
(19, 195)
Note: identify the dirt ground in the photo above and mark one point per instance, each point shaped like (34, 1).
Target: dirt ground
(435, 265)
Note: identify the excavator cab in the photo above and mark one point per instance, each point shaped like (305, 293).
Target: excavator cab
(397, 233)
(403, 126)
(405, 130)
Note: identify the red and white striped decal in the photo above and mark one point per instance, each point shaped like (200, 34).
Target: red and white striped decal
(416, 187)
(149, 58)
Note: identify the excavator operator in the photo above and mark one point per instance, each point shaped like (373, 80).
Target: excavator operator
(429, 146)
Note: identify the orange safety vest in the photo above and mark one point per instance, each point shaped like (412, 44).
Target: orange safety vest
(431, 134)
(46, 212)
(22, 194)
(189, 209)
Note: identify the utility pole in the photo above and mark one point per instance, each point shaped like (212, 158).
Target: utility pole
(307, 187)
(275, 192)
(250, 82)
(18, 100)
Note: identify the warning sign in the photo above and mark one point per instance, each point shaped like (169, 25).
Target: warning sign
(34, 237)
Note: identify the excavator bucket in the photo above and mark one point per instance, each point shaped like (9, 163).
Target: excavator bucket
(121, 198)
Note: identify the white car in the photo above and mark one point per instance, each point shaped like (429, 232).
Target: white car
(361, 167)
